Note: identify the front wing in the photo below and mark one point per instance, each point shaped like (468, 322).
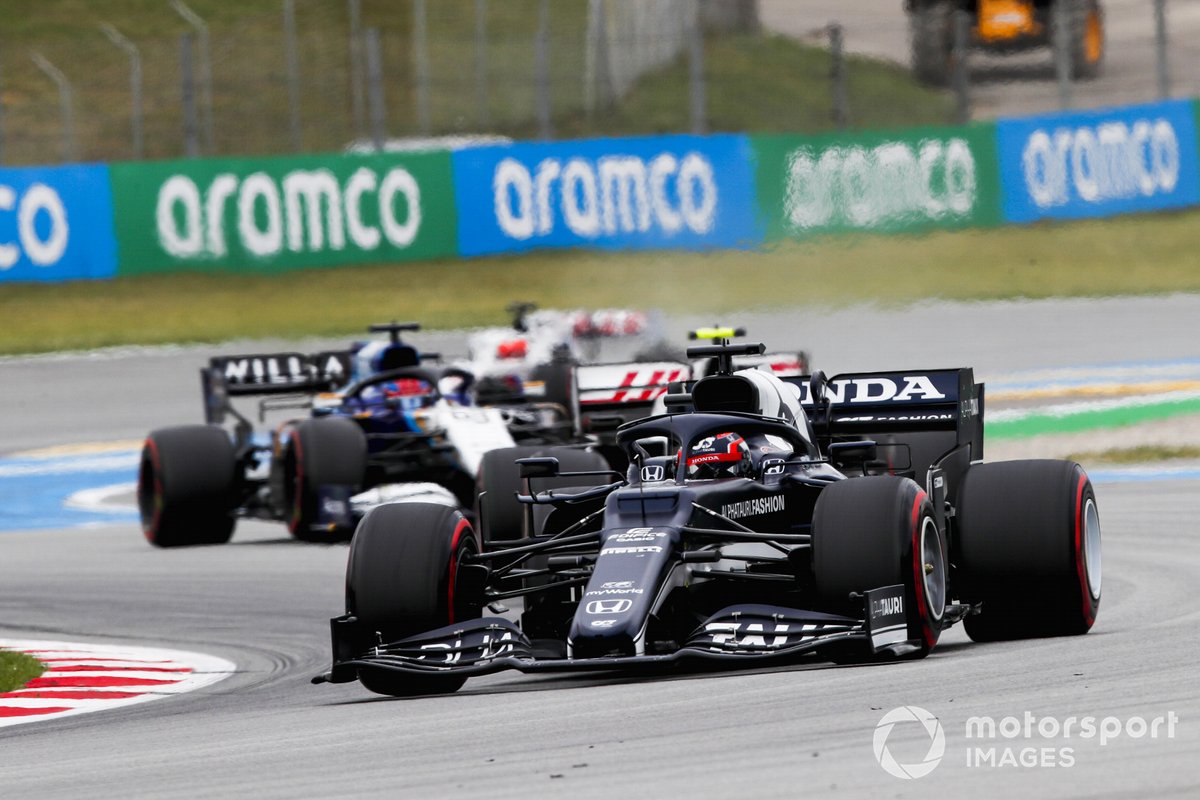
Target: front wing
(743, 635)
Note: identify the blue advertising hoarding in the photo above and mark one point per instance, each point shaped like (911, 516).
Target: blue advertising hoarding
(56, 224)
(679, 192)
(1099, 163)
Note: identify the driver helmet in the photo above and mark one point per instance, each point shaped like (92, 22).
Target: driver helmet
(407, 394)
(722, 456)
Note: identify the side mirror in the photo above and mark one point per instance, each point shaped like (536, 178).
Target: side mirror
(546, 467)
(852, 452)
(604, 423)
(652, 446)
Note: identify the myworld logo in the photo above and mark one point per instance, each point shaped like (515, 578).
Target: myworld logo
(867, 187)
(608, 196)
(305, 211)
(1110, 161)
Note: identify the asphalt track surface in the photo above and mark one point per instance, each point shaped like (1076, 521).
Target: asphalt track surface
(263, 602)
(1024, 83)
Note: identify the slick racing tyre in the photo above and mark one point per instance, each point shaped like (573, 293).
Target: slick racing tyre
(558, 381)
(186, 486)
(880, 531)
(402, 578)
(500, 517)
(1028, 549)
(327, 451)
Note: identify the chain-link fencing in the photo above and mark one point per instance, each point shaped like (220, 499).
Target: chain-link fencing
(124, 80)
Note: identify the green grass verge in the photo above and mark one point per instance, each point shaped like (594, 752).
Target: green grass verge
(1135, 455)
(1037, 424)
(759, 83)
(1125, 256)
(17, 669)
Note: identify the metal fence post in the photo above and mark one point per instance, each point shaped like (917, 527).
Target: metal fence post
(375, 89)
(695, 34)
(421, 64)
(837, 76)
(541, 48)
(1062, 51)
(961, 68)
(481, 70)
(191, 143)
(293, 73)
(69, 152)
(1160, 41)
(135, 85)
(357, 97)
(1, 114)
(206, 92)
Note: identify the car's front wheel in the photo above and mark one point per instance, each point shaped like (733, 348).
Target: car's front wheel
(402, 578)
(879, 531)
(327, 451)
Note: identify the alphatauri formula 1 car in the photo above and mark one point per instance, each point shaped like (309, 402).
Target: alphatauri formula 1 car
(760, 520)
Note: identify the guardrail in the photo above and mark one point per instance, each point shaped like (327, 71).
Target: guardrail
(666, 192)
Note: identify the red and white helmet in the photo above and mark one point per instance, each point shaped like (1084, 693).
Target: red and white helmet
(725, 455)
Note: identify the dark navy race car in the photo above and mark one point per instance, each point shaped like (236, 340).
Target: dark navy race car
(761, 519)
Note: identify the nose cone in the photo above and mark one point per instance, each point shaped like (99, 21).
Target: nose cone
(611, 618)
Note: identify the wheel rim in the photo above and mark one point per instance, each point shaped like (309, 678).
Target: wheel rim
(1091, 548)
(1094, 38)
(933, 569)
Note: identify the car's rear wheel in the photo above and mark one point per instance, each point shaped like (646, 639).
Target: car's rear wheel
(500, 517)
(402, 578)
(327, 451)
(186, 486)
(1028, 549)
(880, 531)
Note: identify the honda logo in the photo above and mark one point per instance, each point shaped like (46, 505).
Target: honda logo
(774, 466)
(609, 606)
(653, 472)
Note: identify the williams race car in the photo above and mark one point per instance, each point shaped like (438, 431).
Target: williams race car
(381, 426)
(760, 520)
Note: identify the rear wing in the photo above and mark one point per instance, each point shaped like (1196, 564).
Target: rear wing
(920, 419)
(270, 374)
(605, 392)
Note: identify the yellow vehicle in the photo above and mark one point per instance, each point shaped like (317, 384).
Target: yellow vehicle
(1004, 26)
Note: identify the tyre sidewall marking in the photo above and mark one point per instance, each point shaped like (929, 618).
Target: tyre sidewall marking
(151, 531)
(453, 577)
(1089, 615)
(927, 631)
